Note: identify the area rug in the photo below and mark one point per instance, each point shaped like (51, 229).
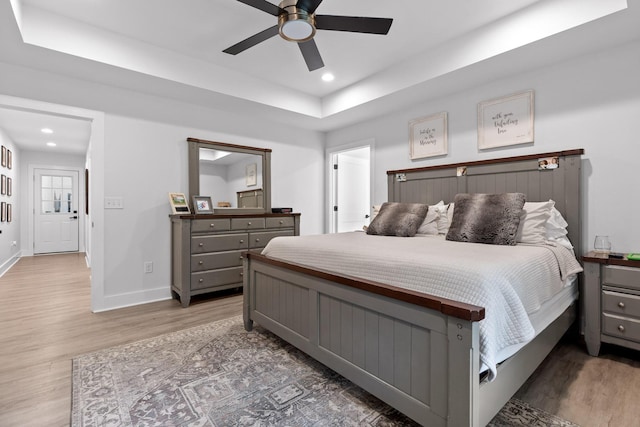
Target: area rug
(220, 375)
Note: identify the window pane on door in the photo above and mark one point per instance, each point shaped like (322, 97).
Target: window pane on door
(56, 194)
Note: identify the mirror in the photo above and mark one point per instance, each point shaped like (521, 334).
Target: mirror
(236, 177)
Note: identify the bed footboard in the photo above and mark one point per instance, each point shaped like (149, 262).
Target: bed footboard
(418, 359)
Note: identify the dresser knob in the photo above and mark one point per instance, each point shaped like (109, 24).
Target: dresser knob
(212, 225)
(241, 241)
(621, 328)
(621, 304)
(200, 262)
(241, 274)
(249, 223)
(281, 222)
(257, 240)
(200, 280)
(241, 257)
(201, 244)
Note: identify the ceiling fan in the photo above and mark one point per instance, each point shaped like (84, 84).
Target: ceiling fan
(297, 22)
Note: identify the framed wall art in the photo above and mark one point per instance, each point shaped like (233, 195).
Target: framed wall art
(3, 162)
(9, 159)
(252, 174)
(9, 185)
(202, 205)
(3, 184)
(3, 211)
(428, 136)
(9, 214)
(506, 121)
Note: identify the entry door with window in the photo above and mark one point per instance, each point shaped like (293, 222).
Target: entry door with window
(55, 211)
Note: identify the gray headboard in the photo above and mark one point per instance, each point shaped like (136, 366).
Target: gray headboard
(507, 175)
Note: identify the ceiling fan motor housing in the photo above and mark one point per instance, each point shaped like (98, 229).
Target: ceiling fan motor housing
(296, 25)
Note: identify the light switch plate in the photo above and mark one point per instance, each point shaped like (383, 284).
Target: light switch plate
(113, 202)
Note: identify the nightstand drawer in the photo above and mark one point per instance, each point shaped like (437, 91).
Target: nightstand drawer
(622, 327)
(627, 277)
(621, 304)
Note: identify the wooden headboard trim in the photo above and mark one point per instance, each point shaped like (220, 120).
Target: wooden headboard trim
(575, 152)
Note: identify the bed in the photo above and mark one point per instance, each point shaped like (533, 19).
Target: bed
(420, 353)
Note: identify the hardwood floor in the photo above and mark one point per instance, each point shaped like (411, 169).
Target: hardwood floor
(45, 321)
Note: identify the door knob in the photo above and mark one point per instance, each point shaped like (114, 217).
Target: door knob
(73, 217)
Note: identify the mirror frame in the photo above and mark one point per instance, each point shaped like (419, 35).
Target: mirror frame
(194, 172)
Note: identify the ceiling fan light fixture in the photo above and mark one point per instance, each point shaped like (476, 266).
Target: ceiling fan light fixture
(297, 25)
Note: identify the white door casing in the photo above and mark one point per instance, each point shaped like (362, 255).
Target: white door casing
(56, 218)
(351, 189)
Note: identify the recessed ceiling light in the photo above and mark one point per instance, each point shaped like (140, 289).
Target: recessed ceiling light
(46, 130)
(51, 144)
(328, 77)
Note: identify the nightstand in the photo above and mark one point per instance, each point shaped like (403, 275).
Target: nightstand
(611, 302)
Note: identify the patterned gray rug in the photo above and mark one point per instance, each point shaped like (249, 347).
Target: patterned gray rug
(220, 375)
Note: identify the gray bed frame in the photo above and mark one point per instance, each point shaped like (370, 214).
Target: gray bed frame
(417, 352)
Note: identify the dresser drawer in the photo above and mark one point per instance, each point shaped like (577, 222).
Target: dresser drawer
(617, 275)
(621, 327)
(218, 243)
(208, 279)
(247, 223)
(215, 260)
(621, 304)
(280, 222)
(205, 225)
(260, 239)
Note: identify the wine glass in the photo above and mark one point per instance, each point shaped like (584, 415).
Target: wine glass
(602, 245)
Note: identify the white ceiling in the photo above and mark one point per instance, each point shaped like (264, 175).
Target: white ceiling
(161, 45)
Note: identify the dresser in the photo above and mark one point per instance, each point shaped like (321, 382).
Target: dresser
(611, 299)
(207, 250)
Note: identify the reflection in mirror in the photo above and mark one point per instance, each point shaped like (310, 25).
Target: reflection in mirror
(236, 177)
(231, 179)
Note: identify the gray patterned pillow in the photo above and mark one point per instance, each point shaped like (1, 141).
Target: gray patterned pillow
(398, 219)
(486, 218)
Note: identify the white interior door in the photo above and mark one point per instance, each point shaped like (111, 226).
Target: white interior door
(55, 211)
(352, 177)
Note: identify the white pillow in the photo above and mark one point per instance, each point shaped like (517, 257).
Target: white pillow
(532, 227)
(430, 223)
(556, 229)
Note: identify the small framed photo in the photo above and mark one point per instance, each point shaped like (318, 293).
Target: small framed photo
(428, 136)
(3, 211)
(202, 205)
(3, 184)
(4, 156)
(179, 203)
(9, 215)
(9, 161)
(9, 185)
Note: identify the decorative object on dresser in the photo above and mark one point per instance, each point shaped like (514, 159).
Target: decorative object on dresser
(611, 300)
(202, 205)
(207, 250)
(178, 203)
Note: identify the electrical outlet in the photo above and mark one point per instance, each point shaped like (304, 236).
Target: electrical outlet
(148, 266)
(113, 202)
(14, 243)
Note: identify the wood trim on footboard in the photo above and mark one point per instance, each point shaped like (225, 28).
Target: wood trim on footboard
(418, 359)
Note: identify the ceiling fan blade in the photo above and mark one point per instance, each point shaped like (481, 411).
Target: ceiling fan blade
(354, 24)
(264, 6)
(252, 41)
(309, 5)
(311, 55)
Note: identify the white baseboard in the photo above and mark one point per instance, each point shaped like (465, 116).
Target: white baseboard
(112, 302)
(6, 266)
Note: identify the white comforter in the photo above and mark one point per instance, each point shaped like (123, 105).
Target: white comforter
(510, 282)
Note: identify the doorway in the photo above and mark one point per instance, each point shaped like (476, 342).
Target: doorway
(55, 219)
(350, 189)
